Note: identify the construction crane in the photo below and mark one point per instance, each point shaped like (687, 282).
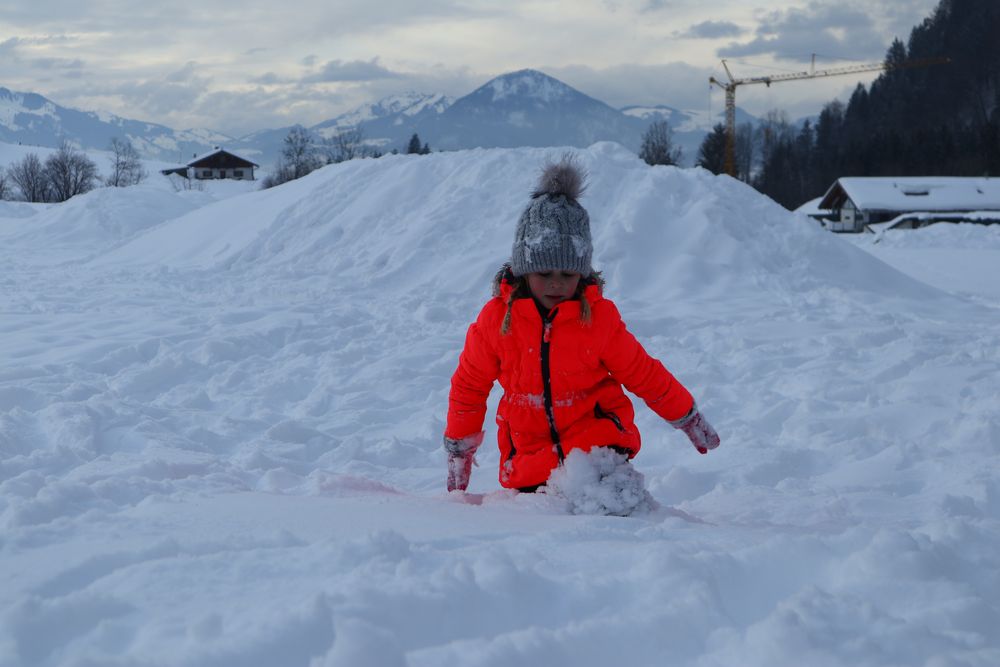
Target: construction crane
(731, 85)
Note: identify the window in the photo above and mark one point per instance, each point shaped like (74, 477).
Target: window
(206, 173)
(237, 173)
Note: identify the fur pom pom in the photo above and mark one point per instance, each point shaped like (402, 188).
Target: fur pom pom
(562, 178)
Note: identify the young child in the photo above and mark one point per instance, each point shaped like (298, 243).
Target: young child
(560, 351)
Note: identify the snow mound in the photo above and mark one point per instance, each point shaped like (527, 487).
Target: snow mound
(401, 222)
(15, 209)
(91, 223)
(601, 481)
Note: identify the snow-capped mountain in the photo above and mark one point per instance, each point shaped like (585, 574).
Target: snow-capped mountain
(528, 108)
(524, 108)
(384, 119)
(30, 118)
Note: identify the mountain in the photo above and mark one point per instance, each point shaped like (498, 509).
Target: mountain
(388, 119)
(528, 108)
(524, 108)
(29, 118)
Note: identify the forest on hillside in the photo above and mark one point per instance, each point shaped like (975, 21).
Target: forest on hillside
(941, 119)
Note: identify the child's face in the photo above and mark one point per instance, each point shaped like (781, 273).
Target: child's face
(553, 287)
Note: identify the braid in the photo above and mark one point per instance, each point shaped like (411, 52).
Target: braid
(518, 287)
(519, 290)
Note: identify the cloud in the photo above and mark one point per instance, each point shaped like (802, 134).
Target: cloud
(354, 70)
(711, 30)
(163, 95)
(835, 30)
(656, 5)
(679, 85)
(270, 79)
(19, 54)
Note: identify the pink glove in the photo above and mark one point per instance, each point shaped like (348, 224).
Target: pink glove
(698, 430)
(461, 456)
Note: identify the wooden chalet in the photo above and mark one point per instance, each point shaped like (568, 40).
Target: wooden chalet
(220, 163)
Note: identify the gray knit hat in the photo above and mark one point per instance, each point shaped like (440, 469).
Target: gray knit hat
(553, 233)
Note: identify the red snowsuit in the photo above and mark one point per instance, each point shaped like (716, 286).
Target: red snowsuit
(562, 381)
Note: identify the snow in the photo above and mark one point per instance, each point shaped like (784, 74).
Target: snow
(527, 83)
(961, 258)
(922, 193)
(221, 413)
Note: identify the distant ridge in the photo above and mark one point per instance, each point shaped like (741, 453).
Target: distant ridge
(522, 108)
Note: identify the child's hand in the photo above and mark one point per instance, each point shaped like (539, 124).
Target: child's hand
(698, 430)
(461, 456)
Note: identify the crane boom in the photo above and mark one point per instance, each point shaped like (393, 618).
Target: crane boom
(731, 85)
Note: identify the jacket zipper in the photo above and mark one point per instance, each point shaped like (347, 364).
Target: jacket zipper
(547, 385)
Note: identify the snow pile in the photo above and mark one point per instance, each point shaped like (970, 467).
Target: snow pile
(221, 418)
(600, 482)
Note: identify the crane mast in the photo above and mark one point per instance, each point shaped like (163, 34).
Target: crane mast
(731, 85)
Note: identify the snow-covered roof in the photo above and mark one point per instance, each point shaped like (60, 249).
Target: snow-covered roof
(915, 193)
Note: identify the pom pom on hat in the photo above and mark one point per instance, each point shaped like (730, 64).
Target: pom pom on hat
(562, 178)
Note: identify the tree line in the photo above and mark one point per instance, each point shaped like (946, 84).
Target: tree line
(912, 121)
(68, 172)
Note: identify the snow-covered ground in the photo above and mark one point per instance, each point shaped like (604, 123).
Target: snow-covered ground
(220, 423)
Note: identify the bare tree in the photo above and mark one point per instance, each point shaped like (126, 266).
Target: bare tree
(126, 167)
(345, 145)
(658, 145)
(5, 189)
(773, 129)
(28, 175)
(298, 152)
(69, 173)
(298, 158)
(743, 151)
(282, 174)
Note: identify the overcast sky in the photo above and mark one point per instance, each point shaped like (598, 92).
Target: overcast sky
(241, 66)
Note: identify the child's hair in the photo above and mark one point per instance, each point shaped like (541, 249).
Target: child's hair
(520, 290)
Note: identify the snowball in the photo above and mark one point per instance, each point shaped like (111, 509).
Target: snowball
(602, 481)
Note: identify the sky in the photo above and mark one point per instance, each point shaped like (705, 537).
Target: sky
(237, 67)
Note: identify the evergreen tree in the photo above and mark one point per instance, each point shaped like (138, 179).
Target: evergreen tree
(712, 152)
(936, 119)
(414, 147)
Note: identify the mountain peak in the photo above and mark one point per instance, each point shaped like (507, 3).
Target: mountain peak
(528, 83)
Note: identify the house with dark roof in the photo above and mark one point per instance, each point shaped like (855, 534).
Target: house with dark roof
(852, 203)
(220, 163)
